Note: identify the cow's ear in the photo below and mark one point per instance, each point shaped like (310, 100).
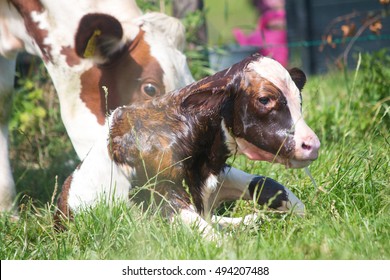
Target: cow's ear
(171, 28)
(98, 37)
(298, 77)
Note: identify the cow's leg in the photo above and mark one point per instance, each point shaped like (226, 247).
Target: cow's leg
(7, 185)
(236, 184)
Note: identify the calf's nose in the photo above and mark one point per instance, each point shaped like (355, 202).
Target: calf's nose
(310, 147)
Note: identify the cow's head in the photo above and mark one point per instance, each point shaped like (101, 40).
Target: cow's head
(133, 67)
(267, 122)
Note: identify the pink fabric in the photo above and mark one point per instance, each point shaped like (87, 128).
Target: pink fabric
(265, 5)
(272, 42)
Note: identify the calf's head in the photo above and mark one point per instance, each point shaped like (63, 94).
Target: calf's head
(267, 123)
(261, 111)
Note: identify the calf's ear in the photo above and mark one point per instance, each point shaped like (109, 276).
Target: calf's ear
(98, 37)
(206, 101)
(298, 77)
(208, 93)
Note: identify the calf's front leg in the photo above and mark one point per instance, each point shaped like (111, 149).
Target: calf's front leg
(175, 204)
(236, 184)
(265, 190)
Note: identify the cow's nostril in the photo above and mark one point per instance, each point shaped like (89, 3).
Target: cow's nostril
(306, 147)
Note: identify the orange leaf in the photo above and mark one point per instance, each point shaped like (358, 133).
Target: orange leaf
(376, 27)
(348, 30)
(329, 39)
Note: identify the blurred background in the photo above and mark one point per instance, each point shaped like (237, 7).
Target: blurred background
(313, 34)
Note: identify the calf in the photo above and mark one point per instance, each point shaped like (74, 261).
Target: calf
(252, 108)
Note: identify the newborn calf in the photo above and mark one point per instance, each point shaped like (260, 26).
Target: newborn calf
(178, 143)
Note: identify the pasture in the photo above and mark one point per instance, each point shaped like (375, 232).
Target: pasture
(347, 218)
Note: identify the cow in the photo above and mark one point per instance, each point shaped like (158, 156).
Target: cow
(86, 45)
(154, 65)
(252, 108)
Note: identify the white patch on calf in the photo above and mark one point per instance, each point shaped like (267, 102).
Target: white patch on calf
(229, 140)
(235, 180)
(191, 218)
(228, 222)
(211, 183)
(210, 187)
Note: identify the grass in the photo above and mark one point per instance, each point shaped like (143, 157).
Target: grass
(348, 220)
(235, 14)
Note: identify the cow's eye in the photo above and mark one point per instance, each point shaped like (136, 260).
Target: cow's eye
(264, 100)
(150, 89)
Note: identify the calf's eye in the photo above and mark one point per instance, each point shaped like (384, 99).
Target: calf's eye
(264, 100)
(150, 89)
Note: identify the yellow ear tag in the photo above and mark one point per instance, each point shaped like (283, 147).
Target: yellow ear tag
(91, 45)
